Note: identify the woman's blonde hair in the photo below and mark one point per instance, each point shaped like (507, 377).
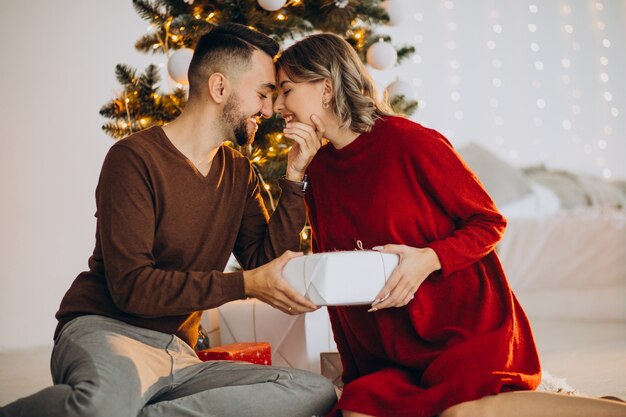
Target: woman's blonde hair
(328, 56)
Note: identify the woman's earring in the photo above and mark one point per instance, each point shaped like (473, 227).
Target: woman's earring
(324, 104)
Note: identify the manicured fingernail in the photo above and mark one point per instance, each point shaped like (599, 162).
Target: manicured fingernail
(376, 301)
(377, 248)
(372, 310)
(314, 117)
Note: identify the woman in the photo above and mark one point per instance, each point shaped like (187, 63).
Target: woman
(446, 332)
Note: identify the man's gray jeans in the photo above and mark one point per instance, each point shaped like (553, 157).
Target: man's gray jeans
(103, 367)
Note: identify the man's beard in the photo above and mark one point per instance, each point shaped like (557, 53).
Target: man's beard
(237, 122)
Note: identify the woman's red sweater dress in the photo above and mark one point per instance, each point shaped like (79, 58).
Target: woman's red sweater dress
(464, 335)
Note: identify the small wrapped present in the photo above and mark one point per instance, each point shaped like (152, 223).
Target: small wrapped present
(259, 353)
(340, 278)
(296, 340)
(332, 367)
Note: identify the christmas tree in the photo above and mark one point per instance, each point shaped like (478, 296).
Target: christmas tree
(176, 26)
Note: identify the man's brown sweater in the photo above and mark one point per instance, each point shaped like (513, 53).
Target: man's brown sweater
(165, 232)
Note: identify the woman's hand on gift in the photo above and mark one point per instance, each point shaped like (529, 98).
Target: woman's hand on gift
(415, 265)
(307, 141)
(266, 283)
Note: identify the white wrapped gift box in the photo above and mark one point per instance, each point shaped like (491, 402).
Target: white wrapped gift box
(296, 341)
(340, 278)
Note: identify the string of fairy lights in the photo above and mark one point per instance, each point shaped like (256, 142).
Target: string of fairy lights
(609, 110)
(496, 79)
(453, 64)
(574, 95)
(584, 114)
(535, 33)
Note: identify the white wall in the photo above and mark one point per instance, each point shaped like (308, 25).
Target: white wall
(58, 63)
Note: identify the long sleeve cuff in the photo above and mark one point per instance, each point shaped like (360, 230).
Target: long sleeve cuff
(290, 187)
(232, 286)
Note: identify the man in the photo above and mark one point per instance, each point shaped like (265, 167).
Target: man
(172, 204)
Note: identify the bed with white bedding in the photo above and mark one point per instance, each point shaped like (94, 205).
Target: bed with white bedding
(564, 249)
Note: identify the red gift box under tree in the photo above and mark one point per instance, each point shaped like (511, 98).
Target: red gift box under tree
(259, 353)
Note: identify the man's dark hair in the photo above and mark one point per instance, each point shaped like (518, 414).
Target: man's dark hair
(227, 48)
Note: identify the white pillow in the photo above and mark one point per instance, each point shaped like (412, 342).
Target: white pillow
(541, 203)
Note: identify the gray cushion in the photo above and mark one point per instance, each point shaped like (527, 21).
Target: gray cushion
(503, 182)
(564, 184)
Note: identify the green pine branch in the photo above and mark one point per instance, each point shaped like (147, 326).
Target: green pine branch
(125, 74)
(150, 10)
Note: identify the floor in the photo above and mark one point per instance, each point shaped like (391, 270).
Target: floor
(590, 356)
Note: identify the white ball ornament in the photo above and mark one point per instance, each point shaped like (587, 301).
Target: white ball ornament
(178, 65)
(381, 55)
(400, 88)
(272, 5)
(395, 10)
